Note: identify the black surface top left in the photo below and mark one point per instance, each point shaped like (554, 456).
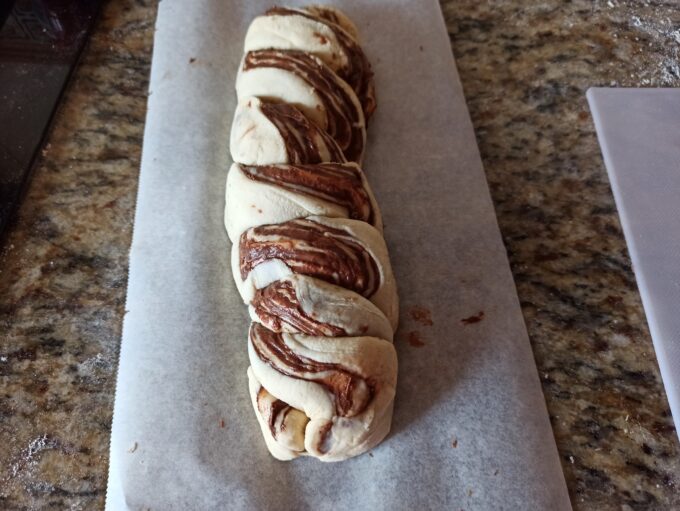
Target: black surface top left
(40, 42)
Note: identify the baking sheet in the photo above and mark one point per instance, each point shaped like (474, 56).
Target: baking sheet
(470, 426)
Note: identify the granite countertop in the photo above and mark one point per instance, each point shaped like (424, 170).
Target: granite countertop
(525, 68)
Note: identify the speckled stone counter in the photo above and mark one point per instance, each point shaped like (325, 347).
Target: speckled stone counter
(525, 67)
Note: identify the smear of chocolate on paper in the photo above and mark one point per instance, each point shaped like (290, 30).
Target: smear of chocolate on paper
(421, 315)
(473, 319)
(415, 340)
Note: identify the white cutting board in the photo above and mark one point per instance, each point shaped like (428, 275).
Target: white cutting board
(639, 132)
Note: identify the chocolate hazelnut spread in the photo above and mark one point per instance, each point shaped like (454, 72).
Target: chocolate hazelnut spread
(314, 249)
(300, 136)
(352, 393)
(338, 183)
(277, 305)
(270, 408)
(344, 119)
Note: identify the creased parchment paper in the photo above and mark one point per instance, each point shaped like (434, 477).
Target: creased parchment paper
(470, 425)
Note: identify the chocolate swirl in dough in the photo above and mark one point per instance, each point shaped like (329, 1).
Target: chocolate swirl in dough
(265, 133)
(286, 424)
(278, 304)
(332, 182)
(298, 134)
(343, 385)
(301, 304)
(313, 249)
(351, 392)
(285, 28)
(271, 194)
(347, 253)
(337, 109)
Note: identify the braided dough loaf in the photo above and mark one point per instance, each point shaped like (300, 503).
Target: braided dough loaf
(308, 256)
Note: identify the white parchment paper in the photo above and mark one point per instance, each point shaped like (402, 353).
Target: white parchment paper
(470, 426)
